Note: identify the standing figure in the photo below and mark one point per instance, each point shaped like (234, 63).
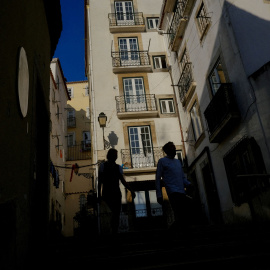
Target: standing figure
(108, 179)
(171, 172)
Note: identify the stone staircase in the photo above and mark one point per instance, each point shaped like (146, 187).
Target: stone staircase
(214, 247)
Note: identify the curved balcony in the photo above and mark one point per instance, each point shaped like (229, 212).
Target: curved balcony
(141, 159)
(126, 22)
(134, 106)
(131, 61)
(179, 22)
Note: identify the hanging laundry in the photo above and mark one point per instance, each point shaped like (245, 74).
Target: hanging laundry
(75, 168)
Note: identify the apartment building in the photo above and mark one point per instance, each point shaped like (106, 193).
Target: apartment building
(219, 62)
(58, 147)
(78, 184)
(130, 87)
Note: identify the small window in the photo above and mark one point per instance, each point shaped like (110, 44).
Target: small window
(167, 106)
(88, 113)
(159, 62)
(70, 92)
(86, 91)
(196, 121)
(152, 23)
(83, 201)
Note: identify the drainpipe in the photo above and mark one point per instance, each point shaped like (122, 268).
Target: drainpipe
(93, 104)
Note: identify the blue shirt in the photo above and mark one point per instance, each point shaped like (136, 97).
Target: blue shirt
(171, 172)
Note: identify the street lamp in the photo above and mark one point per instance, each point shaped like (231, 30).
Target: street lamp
(102, 119)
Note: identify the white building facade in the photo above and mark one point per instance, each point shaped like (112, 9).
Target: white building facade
(219, 62)
(130, 82)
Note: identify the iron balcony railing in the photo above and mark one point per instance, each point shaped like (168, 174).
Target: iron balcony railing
(130, 58)
(126, 19)
(136, 103)
(185, 81)
(71, 122)
(178, 15)
(141, 157)
(79, 151)
(222, 104)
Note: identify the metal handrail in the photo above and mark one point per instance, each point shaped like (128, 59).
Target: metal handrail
(130, 58)
(178, 15)
(185, 81)
(126, 19)
(136, 103)
(141, 157)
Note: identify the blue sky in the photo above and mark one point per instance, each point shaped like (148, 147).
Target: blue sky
(70, 48)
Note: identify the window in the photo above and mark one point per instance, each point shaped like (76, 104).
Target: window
(86, 90)
(124, 12)
(88, 113)
(86, 140)
(152, 23)
(203, 20)
(71, 120)
(129, 50)
(159, 62)
(195, 121)
(216, 77)
(167, 106)
(141, 148)
(245, 158)
(70, 92)
(71, 139)
(134, 94)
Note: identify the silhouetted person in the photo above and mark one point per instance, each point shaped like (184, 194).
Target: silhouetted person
(171, 172)
(108, 178)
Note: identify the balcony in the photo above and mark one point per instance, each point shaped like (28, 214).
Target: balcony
(222, 113)
(131, 61)
(79, 151)
(179, 22)
(141, 159)
(186, 85)
(134, 106)
(71, 122)
(126, 22)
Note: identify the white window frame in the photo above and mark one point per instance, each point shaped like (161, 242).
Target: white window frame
(152, 23)
(70, 92)
(158, 60)
(166, 102)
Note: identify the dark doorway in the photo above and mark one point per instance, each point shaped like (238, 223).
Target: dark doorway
(211, 194)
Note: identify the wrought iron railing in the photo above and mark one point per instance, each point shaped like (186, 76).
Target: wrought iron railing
(126, 19)
(130, 58)
(222, 104)
(79, 151)
(178, 15)
(71, 122)
(136, 103)
(141, 157)
(185, 81)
